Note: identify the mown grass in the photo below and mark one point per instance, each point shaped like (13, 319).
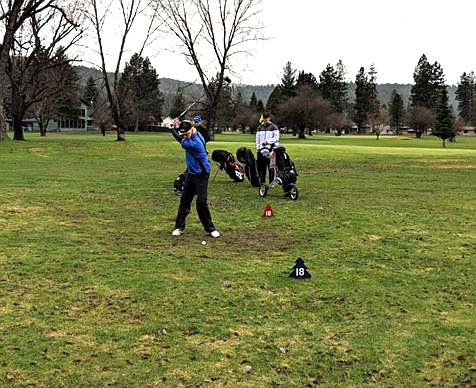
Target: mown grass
(95, 292)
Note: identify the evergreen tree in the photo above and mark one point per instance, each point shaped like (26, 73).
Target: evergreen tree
(437, 84)
(373, 104)
(178, 105)
(274, 99)
(429, 81)
(284, 91)
(307, 79)
(253, 101)
(288, 81)
(333, 86)
(226, 108)
(341, 98)
(444, 127)
(397, 110)
(361, 105)
(91, 91)
(260, 107)
(327, 83)
(420, 92)
(465, 95)
(139, 92)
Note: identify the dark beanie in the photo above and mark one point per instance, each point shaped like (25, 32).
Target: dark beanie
(184, 127)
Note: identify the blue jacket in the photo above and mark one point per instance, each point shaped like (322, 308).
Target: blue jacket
(196, 154)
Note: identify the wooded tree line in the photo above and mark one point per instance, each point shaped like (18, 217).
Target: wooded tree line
(38, 78)
(304, 103)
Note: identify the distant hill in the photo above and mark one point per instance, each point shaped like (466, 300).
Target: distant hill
(169, 87)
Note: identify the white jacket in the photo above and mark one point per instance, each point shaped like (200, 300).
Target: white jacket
(268, 133)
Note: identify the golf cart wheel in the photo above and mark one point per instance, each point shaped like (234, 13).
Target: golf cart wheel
(263, 190)
(293, 193)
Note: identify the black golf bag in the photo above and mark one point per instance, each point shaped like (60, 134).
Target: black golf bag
(245, 155)
(226, 162)
(179, 182)
(285, 166)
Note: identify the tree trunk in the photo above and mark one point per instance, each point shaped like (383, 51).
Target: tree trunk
(17, 128)
(136, 129)
(444, 143)
(211, 126)
(378, 135)
(302, 134)
(121, 135)
(3, 123)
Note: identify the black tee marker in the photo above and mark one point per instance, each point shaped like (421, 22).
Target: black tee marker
(300, 270)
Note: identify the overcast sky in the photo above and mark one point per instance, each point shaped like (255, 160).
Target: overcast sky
(311, 34)
(392, 35)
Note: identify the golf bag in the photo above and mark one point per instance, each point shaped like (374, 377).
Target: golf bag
(226, 162)
(245, 155)
(179, 182)
(285, 166)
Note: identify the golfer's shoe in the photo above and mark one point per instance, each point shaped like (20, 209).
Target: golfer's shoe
(215, 234)
(177, 232)
(178, 192)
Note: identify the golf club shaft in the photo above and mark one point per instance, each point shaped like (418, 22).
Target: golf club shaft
(226, 81)
(190, 106)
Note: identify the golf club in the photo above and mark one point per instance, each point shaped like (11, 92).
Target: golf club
(226, 82)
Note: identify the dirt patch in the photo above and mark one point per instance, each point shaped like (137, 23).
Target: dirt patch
(20, 210)
(264, 240)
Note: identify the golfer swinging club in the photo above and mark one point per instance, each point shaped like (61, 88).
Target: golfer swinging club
(196, 183)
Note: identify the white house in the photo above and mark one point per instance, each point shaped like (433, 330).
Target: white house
(81, 122)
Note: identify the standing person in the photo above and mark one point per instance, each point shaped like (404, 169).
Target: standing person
(267, 134)
(196, 183)
(197, 123)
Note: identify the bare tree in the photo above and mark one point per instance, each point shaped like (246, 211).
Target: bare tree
(61, 92)
(130, 11)
(211, 33)
(378, 120)
(35, 51)
(339, 122)
(307, 110)
(101, 112)
(420, 119)
(13, 14)
(245, 117)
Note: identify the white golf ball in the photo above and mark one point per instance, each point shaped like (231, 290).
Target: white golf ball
(204, 242)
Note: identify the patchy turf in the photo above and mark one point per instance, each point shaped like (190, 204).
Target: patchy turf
(95, 292)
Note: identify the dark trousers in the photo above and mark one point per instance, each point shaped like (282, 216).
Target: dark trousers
(262, 164)
(195, 185)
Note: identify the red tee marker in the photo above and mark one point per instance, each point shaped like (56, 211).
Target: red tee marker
(268, 212)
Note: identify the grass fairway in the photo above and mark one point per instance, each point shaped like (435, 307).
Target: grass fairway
(95, 292)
